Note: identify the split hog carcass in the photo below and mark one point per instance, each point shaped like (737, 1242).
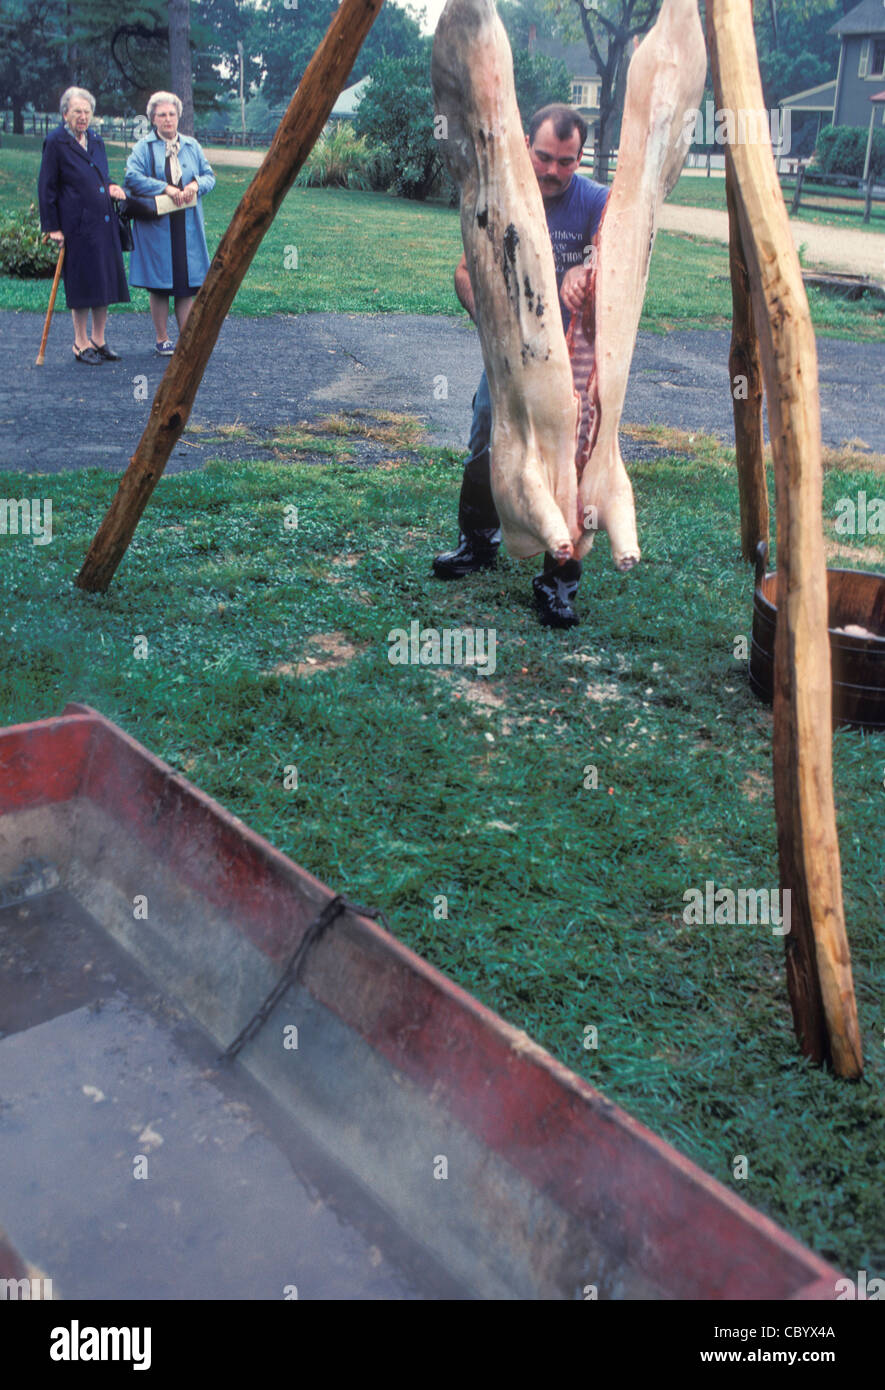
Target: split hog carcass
(510, 262)
(555, 459)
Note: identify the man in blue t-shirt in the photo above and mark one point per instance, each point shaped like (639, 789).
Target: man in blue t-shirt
(573, 206)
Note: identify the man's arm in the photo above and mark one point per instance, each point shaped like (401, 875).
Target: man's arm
(463, 287)
(573, 289)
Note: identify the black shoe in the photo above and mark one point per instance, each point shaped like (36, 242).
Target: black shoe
(477, 550)
(89, 356)
(106, 352)
(554, 591)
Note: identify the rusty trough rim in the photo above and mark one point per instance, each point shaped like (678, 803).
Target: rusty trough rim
(681, 1227)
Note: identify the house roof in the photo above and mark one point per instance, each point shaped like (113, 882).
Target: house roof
(866, 18)
(576, 56)
(821, 98)
(349, 99)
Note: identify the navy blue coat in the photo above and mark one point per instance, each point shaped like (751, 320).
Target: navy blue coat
(74, 199)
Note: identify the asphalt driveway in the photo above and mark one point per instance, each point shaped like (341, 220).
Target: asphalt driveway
(268, 372)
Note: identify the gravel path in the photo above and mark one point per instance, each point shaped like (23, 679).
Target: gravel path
(827, 248)
(268, 372)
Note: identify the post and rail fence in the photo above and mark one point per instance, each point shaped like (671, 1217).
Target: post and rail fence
(802, 186)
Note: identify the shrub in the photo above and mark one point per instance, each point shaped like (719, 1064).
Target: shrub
(841, 149)
(342, 159)
(397, 111)
(22, 252)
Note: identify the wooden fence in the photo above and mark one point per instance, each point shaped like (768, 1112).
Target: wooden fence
(839, 189)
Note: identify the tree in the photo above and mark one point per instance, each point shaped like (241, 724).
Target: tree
(180, 67)
(800, 53)
(286, 40)
(33, 54)
(538, 81)
(397, 111)
(609, 27)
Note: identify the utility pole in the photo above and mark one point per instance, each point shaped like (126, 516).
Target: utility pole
(242, 98)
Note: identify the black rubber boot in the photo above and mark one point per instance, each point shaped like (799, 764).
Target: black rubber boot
(480, 531)
(555, 590)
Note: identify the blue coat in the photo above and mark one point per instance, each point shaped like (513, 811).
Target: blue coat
(74, 199)
(150, 264)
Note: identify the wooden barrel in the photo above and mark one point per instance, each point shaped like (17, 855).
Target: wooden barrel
(856, 598)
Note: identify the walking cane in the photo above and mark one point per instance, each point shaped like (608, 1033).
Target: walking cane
(42, 353)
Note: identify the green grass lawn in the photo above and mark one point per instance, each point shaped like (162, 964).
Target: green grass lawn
(269, 647)
(370, 253)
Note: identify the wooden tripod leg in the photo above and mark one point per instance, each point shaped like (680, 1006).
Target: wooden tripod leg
(745, 372)
(818, 961)
(298, 131)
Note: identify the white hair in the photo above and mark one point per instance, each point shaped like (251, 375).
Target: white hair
(157, 100)
(72, 94)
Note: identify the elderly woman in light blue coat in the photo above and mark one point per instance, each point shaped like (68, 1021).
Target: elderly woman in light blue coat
(170, 256)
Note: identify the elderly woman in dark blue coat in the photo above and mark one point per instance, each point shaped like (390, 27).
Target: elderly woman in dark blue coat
(77, 208)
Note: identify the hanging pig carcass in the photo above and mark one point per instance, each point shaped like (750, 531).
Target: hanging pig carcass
(553, 485)
(510, 262)
(664, 82)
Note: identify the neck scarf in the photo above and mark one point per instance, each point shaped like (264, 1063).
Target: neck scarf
(172, 148)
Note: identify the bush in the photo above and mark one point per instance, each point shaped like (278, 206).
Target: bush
(841, 149)
(397, 112)
(342, 159)
(539, 80)
(22, 252)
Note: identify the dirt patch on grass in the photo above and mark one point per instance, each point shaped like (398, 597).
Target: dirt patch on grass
(838, 550)
(220, 434)
(480, 694)
(855, 453)
(346, 561)
(384, 426)
(324, 651)
(605, 693)
(757, 785)
(688, 444)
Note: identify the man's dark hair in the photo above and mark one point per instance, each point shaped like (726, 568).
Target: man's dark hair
(565, 120)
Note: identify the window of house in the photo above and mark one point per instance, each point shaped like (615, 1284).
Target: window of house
(584, 93)
(872, 58)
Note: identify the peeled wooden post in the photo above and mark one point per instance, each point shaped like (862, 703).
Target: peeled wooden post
(307, 113)
(745, 375)
(745, 372)
(818, 961)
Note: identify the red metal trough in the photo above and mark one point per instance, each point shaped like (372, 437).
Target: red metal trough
(547, 1189)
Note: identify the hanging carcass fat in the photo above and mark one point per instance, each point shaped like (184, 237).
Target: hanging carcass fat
(510, 262)
(537, 459)
(665, 81)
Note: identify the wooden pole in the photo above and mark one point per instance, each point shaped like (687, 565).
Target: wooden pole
(818, 961)
(41, 355)
(745, 372)
(308, 112)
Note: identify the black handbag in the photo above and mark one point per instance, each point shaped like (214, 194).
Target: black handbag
(124, 227)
